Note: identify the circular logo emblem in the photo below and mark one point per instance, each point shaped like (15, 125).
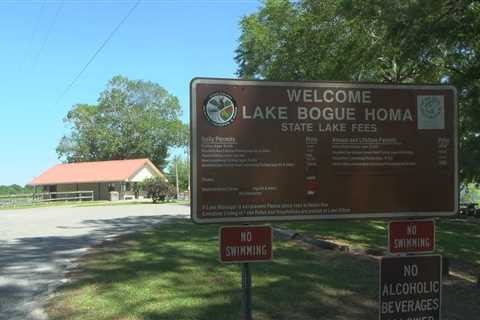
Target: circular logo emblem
(431, 106)
(219, 109)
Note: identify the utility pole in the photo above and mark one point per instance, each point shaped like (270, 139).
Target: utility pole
(176, 176)
(188, 174)
(189, 181)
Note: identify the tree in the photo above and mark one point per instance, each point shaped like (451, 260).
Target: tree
(132, 119)
(427, 41)
(182, 166)
(14, 189)
(299, 41)
(470, 193)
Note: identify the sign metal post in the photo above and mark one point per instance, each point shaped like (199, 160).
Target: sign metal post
(244, 244)
(246, 292)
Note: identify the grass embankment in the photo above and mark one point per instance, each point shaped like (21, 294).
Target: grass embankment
(173, 273)
(44, 205)
(98, 203)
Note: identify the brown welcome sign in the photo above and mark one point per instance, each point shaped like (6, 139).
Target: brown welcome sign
(264, 151)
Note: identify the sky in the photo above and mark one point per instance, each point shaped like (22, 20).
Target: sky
(44, 44)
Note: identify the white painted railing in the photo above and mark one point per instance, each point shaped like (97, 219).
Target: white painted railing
(32, 198)
(63, 196)
(16, 199)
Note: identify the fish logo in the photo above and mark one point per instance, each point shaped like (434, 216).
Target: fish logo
(220, 109)
(430, 112)
(431, 106)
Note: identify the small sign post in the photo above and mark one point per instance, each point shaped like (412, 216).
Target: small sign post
(410, 287)
(246, 292)
(244, 244)
(411, 236)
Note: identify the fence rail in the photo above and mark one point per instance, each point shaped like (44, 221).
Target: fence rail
(33, 198)
(16, 199)
(63, 196)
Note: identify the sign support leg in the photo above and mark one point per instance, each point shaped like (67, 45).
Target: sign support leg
(246, 292)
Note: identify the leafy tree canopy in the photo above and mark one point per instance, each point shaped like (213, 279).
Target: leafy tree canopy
(132, 119)
(417, 41)
(470, 194)
(14, 189)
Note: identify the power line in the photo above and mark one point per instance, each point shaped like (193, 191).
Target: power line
(34, 33)
(47, 36)
(104, 43)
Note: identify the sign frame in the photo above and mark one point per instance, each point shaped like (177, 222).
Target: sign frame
(434, 238)
(403, 257)
(194, 150)
(270, 258)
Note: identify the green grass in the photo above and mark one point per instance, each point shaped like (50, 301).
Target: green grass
(130, 202)
(456, 238)
(42, 205)
(460, 239)
(174, 273)
(357, 234)
(99, 203)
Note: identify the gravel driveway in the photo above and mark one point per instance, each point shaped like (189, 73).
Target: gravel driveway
(37, 246)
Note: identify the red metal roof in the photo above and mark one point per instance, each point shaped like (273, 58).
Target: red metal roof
(88, 172)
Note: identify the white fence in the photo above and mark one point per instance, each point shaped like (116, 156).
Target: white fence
(32, 198)
(16, 200)
(63, 196)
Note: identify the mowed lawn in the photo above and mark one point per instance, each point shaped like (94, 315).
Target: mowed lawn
(95, 203)
(457, 239)
(173, 273)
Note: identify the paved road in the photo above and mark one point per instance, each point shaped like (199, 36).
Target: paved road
(37, 246)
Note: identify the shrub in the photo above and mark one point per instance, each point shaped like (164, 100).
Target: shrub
(158, 189)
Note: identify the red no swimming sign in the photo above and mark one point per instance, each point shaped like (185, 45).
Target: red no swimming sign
(410, 236)
(242, 244)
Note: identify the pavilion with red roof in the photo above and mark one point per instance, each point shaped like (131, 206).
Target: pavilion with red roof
(101, 177)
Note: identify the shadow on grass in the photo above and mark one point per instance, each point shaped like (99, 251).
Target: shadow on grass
(30, 268)
(460, 239)
(173, 273)
(357, 233)
(457, 238)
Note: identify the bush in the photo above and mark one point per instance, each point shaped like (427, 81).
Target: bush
(158, 189)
